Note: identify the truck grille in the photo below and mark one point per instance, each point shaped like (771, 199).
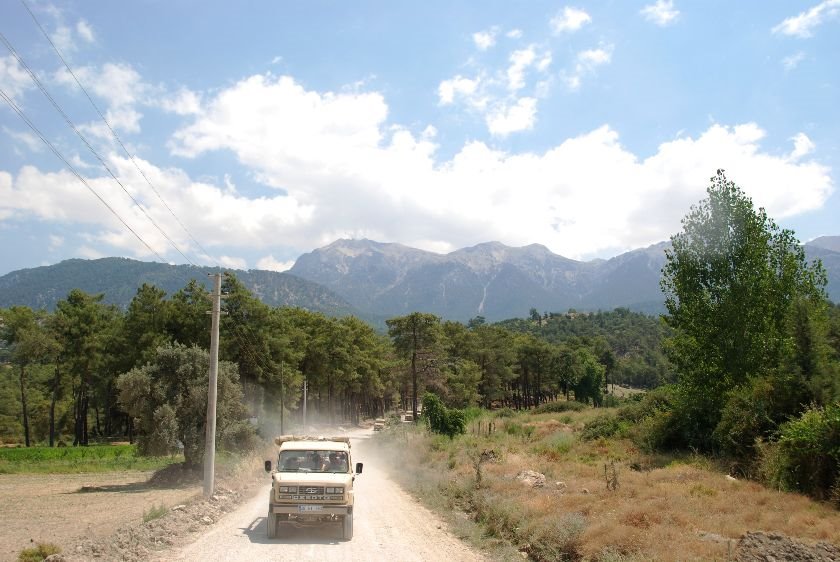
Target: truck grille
(311, 490)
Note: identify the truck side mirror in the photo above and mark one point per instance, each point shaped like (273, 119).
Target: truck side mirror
(268, 466)
(358, 468)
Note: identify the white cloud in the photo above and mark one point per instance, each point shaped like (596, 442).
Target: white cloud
(85, 31)
(792, 61)
(14, 80)
(182, 102)
(32, 142)
(570, 19)
(802, 146)
(62, 37)
(508, 119)
(595, 57)
(270, 264)
(514, 34)
(345, 170)
(231, 262)
(123, 90)
(519, 61)
(56, 242)
(457, 86)
(586, 63)
(662, 13)
(803, 24)
(485, 39)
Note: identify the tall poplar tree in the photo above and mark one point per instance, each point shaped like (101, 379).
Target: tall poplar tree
(730, 279)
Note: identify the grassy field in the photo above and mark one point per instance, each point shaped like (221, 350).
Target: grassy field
(66, 460)
(658, 507)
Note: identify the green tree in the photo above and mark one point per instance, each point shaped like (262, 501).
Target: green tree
(83, 326)
(144, 326)
(168, 396)
(188, 322)
(730, 280)
(416, 337)
(31, 343)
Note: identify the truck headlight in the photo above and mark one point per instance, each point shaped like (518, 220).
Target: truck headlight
(339, 490)
(288, 489)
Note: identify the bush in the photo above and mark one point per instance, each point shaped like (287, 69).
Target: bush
(603, 426)
(38, 553)
(746, 416)
(559, 406)
(555, 447)
(449, 422)
(240, 437)
(806, 457)
(505, 413)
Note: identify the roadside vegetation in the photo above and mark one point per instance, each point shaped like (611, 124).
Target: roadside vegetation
(38, 552)
(604, 495)
(94, 458)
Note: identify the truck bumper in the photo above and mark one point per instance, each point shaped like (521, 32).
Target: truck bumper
(295, 509)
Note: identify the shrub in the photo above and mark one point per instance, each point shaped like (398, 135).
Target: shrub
(154, 513)
(559, 406)
(38, 553)
(240, 437)
(603, 426)
(443, 420)
(555, 447)
(472, 413)
(505, 413)
(519, 430)
(807, 455)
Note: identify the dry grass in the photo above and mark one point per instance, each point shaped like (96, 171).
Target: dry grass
(673, 509)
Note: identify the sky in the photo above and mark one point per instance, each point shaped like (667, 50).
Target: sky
(242, 135)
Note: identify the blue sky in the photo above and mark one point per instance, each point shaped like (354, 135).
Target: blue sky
(267, 129)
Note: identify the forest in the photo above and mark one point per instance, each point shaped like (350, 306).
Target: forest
(62, 370)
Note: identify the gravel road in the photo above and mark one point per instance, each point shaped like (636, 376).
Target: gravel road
(389, 525)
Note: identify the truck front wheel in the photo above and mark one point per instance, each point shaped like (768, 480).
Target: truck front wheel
(347, 527)
(271, 522)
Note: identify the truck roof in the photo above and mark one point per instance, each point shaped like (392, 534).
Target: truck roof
(300, 443)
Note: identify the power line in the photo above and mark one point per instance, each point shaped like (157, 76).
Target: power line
(114, 133)
(61, 157)
(249, 349)
(89, 146)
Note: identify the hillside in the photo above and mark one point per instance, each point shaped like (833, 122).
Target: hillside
(374, 280)
(119, 278)
(498, 281)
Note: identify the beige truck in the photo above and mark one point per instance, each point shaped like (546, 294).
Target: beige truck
(312, 484)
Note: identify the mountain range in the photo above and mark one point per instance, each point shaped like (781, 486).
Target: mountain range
(375, 280)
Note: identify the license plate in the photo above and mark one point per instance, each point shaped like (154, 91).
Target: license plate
(311, 507)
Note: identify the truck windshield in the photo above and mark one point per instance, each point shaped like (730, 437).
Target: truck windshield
(313, 461)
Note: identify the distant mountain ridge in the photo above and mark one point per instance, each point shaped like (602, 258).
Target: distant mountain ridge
(119, 279)
(498, 281)
(375, 280)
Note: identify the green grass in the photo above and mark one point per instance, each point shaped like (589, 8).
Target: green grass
(154, 513)
(70, 460)
(38, 553)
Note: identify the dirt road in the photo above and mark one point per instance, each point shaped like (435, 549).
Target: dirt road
(389, 525)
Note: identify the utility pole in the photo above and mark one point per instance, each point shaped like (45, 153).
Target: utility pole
(282, 399)
(304, 406)
(210, 436)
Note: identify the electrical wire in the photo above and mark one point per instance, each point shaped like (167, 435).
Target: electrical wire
(61, 157)
(89, 146)
(114, 133)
